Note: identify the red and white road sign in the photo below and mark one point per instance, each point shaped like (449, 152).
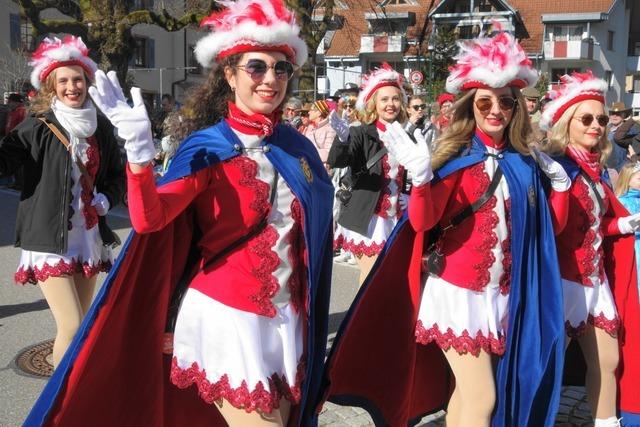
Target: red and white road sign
(416, 77)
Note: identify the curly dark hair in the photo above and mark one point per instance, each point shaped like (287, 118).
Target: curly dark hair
(206, 105)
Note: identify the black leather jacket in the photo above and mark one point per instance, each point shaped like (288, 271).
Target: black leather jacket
(43, 211)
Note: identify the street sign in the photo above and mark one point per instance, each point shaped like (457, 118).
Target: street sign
(416, 77)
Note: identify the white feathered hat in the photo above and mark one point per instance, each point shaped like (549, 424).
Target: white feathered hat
(573, 88)
(491, 62)
(53, 53)
(250, 25)
(380, 77)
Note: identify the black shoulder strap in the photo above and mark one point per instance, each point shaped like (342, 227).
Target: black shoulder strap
(592, 184)
(254, 230)
(438, 231)
(372, 161)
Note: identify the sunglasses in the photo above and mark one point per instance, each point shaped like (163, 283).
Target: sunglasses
(587, 119)
(505, 103)
(419, 107)
(257, 69)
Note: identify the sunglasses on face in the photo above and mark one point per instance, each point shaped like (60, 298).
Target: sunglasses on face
(419, 107)
(587, 119)
(257, 68)
(505, 103)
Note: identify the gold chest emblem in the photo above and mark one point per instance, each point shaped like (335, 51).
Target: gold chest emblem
(306, 170)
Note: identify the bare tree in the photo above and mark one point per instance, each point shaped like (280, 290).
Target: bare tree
(14, 70)
(105, 25)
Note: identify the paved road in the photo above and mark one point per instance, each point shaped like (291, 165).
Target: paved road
(25, 320)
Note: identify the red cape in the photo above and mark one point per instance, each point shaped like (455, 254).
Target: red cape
(621, 271)
(392, 373)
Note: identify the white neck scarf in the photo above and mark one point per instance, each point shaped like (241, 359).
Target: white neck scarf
(81, 122)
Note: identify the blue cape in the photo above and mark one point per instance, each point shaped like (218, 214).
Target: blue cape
(529, 374)
(116, 355)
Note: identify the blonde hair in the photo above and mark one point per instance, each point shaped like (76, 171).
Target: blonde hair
(370, 115)
(622, 183)
(462, 125)
(42, 102)
(559, 139)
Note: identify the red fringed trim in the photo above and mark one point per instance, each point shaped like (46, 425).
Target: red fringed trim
(298, 276)
(505, 277)
(486, 222)
(462, 344)
(362, 249)
(610, 326)
(383, 204)
(62, 268)
(269, 261)
(259, 398)
(86, 195)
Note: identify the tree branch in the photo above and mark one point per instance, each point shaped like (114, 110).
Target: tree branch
(62, 26)
(67, 7)
(164, 19)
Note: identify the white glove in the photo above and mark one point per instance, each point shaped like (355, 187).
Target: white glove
(555, 172)
(629, 224)
(133, 124)
(415, 157)
(340, 126)
(101, 203)
(403, 201)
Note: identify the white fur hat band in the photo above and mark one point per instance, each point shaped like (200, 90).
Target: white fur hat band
(574, 88)
(251, 25)
(53, 53)
(380, 77)
(491, 62)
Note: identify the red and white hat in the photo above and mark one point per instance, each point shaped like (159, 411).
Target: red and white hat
(573, 88)
(250, 25)
(491, 62)
(380, 77)
(53, 53)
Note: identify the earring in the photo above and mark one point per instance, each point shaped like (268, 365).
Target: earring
(233, 89)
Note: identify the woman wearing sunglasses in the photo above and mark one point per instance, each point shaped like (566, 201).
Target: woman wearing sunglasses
(461, 285)
(594, 258)
(375, 200)
(228, 270)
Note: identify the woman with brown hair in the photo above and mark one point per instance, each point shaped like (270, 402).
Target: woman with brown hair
(462, 285)
(230, 329)
(594, 256)
(375, 200)
(72, 177)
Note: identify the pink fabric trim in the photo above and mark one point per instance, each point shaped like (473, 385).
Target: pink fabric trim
(362, 249)
(610, 326)
(257, 399)
(462, 344)
(62, 268)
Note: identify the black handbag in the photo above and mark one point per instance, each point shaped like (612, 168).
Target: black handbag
(347, 182)
(432, 257)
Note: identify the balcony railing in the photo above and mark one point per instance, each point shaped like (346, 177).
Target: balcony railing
(569, 49)
(371, 43)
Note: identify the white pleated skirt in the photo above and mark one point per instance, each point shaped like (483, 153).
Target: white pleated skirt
(462, 319)
(249, 360)
(589, 305)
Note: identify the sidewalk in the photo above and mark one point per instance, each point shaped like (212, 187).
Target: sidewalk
(574, 412)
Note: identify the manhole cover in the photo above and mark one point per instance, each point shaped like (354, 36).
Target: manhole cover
(36, 360)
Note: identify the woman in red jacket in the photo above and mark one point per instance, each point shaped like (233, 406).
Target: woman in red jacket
(244, 334)
(589, 266)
